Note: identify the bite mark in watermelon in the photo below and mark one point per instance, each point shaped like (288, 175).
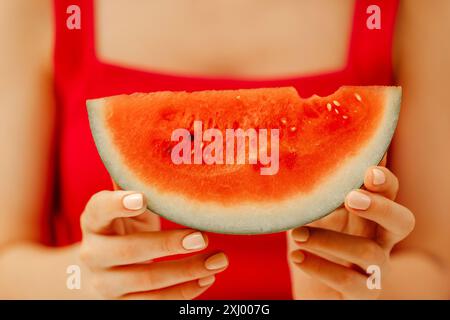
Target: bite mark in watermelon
(325, 146)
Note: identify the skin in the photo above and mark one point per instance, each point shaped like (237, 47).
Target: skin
(338, 249)
(404, 230)
(119, 246)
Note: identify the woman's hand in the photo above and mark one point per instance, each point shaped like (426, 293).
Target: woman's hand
(121, 238)
(336, 251)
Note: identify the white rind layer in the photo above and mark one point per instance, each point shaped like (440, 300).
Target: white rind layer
(254, 217)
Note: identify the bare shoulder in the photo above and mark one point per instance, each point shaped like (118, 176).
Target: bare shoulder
(26, 13)
(422, 31)
(26, 30)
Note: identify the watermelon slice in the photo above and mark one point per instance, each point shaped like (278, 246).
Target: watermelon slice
(325, 144)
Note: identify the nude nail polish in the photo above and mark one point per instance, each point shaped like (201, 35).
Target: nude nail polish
(300, 234)
(133, 201)
(193, 241)
(297, 256)
(217, 261)
(358, 200)
(378, 177)
(206, 281)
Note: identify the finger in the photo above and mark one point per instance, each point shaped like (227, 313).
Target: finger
(381, 180)
(336, 220)
(396, 220)
(184, 291)
(147, 222)
(107, 251)
(158, 275)
(357, 250)
(340, 220)
(105, 206)
(350, 283)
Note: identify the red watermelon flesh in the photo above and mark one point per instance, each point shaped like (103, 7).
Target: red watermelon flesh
(325, 146)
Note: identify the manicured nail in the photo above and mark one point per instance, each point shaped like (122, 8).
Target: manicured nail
(358, 200)
(300, 234)
(297, 256)
(378, 177)
(133, 201)
(217, 261)
(206, 281)
(193, 241)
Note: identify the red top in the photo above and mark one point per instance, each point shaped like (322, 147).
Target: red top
(258, 264)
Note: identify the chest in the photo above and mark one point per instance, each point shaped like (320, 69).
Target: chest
(228, 38)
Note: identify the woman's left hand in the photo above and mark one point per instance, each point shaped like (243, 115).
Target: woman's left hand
(338, 249)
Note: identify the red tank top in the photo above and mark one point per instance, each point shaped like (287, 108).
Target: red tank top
(258, 264)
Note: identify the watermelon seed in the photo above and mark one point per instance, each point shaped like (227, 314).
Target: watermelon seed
(336, 110)
(336, 103)
(344, 117)
(329, 106)
(238, 97)
(293, 129)
(283, 120)
(358, 97)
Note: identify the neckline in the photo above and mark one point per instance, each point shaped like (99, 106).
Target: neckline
(200, 78)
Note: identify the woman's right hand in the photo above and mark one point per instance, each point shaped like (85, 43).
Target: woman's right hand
(121, 238)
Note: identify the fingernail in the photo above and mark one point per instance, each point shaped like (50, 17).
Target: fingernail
(378, 177)
(193, 241)
(358, 200)
(206, 281)
(297, 256)
(217, 261)
(300, 234)
(133, 201)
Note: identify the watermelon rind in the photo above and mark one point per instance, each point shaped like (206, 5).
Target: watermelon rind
(253, 217)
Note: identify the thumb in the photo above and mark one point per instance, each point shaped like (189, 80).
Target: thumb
(150, 220)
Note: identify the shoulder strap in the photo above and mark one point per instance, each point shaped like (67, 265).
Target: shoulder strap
(73, 48)
(371, 49)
